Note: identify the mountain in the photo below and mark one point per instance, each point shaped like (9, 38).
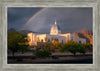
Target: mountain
(84, 33)
(11, 30)
(25, 32)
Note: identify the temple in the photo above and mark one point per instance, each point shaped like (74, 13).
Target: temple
(55, 35)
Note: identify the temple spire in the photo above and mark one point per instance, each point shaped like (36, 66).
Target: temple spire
(55, 22)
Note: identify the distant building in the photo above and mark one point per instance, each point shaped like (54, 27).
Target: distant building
(55, 35)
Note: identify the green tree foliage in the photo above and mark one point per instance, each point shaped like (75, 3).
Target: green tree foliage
(23, 48)
(43, 53)
(81, 48)
(56, 44)
(16, 41)
(64, 48)
(88, 47)
(73, 47)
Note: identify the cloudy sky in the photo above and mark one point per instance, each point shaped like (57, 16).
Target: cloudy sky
(40, 19)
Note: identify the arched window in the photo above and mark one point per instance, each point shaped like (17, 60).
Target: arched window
(41, 40)
(29, 39)
(48, 40)
(57, 39)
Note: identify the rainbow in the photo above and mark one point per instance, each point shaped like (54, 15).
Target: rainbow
(33, 16)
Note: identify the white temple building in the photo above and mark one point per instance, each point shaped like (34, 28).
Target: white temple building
(55, 35)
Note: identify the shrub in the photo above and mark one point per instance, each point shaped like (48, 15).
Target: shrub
(43, 53)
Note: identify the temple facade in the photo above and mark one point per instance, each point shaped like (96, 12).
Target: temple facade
(55, 35)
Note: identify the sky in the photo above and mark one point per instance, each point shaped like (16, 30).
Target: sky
(38, 19)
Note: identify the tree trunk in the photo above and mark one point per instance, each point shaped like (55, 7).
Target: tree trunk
(74, 54)
(83, 53)
(22, 52)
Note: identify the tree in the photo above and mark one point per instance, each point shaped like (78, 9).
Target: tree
(70, 46)
(56, 44)
(81, 48)
(16, 41)
(88, 47)
(73, 48)
(64, 48)
(23, 48)
(47, 46)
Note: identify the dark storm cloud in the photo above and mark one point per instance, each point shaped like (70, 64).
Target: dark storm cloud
(69, 19)
(19, 16)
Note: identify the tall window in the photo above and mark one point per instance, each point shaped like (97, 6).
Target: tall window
(80, 42)
(51, 38)
(62, 41)
(56, 39)
(29, 39)
(41, 40)
(48, 40)
(72, 39)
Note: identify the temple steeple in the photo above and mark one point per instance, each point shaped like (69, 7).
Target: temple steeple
(55, 22)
